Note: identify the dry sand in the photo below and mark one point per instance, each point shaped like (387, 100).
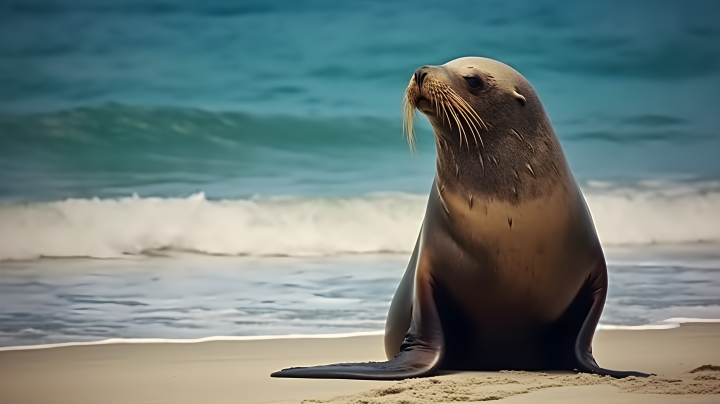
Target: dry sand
(238, 372)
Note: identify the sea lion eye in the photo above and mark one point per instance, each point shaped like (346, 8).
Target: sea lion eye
(474, 82)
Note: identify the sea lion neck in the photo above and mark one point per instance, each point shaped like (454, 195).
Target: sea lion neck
(510, 166)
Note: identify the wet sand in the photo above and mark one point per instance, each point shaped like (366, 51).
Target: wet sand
(238, 372)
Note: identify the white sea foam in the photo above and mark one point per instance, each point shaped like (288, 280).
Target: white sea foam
(192, 341)
(661, 325)
(133, 225)
(656, 215)
(311, 226)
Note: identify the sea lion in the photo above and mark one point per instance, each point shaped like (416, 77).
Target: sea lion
(507, 272)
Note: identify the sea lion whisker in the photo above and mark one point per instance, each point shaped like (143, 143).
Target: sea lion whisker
(471, 126)
(448, 104)
(457, 120)
(437, 102)
(467, 112)
(472, 111)
(460, 109)
(472, 114)
(409, 121)
(446, 114)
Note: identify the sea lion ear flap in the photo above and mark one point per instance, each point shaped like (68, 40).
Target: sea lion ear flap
(519, 97)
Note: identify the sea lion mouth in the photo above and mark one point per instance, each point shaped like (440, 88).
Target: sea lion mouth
(424, 105)
(441, 101)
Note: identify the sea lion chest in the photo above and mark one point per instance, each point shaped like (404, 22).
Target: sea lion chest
(503, 262)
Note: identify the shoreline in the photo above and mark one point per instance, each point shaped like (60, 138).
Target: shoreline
(111, 341)
(663, 325)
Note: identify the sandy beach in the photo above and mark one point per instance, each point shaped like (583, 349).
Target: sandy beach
(238, 372)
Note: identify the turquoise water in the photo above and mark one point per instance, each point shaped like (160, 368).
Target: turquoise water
(168, 98)
(272, 128)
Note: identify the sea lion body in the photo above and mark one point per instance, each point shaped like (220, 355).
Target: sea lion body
(507, 272)
(506, 280)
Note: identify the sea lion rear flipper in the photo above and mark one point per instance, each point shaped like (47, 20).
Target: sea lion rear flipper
(420, 353)
(583, 344)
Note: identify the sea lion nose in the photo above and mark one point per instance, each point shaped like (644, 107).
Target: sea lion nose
(420, 75)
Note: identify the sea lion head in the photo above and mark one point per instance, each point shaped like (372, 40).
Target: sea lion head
(470, 99)
(492, 134)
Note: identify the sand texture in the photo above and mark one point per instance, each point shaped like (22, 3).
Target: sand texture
(703, 380)
(239, 372)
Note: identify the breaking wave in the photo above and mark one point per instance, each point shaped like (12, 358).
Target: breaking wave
(311, 226)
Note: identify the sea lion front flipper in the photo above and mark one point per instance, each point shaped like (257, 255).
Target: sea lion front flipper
(420, 353)
(399, 316)
(583, 344)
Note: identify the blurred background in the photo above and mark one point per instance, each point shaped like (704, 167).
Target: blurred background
(182, 169)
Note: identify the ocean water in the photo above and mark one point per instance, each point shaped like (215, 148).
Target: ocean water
(186, 296)
(177, 169)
